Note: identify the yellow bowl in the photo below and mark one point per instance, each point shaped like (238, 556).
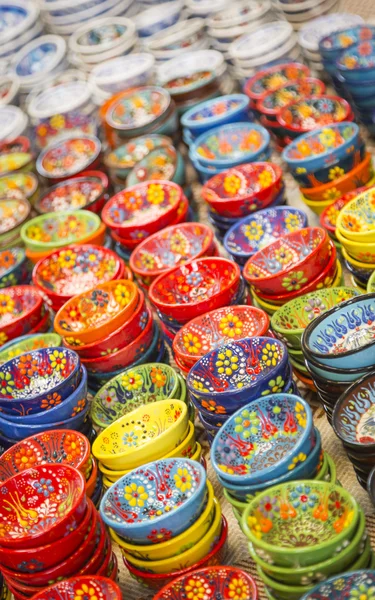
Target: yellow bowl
(317, 206)
(174, 546)
(186, 449)
(186, 558)
(357, 263)
(361, 251)
(143, 435)
(198, 452)
(352, 220)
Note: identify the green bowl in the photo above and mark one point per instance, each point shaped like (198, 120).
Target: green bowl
(55, 230)
(300, 523)
(32, 342)
(290, 320)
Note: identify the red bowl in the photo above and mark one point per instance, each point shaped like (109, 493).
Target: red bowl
(21, 309)
(126, 355)
(99, 587)
(33, 528)
(157, 581)
(195, 288)
(274, 100)
(124, 335)
(274, 77)
(43, 325)
(143, 209)
(292, 119)
(242, 190)
(329, 215)
(19, 144)
(300, 257)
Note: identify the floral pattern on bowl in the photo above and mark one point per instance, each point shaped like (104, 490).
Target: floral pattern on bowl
(355, 585)
(328, 218)
(138, 108)
(28, 343)
(12, 214)
(15, 161)
(18, 303)
(354, 414)
(315, 111)
(128, 155)
(68, 157)
(158, 164)
(360, 57)
(274, 100)
(71, 195)
(59, 229)
(134, 387)
(187, 83)
(356, 220)
(10, 259)
(92, 586)
(273, 78)
(27, 183)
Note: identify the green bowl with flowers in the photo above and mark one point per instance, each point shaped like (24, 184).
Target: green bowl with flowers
(28, 343)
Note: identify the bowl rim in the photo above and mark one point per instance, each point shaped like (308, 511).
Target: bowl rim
(341, 67)
(36, 307)
(354, 236)
(270, 70)
(354, 262)
(82, 579)
(116, 99)
(317, 587)
(26, 204)
(23, 338)
(297, 128)
(87, 27)
(81, 176)
(330, 369)
(85, 215)
(187, 122)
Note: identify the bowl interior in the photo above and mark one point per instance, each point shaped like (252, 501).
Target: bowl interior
(16, 302)
(356, 217)
(138, 108)
(360, 57)
(310, 113)
(26, 183)
(274, 77)
(158, 164)
(29, 343)
(329, 216)
(61, 228)
(276, 99)
(68, 157)
(321, 143)
(13, 161)
(213, 110)
(128, 155)
(71, 195)
(231, 142)
(12, 213)
(76, 587)
(241, 182)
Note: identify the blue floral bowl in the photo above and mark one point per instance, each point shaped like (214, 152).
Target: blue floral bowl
(355, 585)
(263, 439)
(57, 410)
(260, 229)
(219, 111)
(358, 62)
(163, 496)
(30, 382)
(238, 372)
(343, 337)
(331, 46)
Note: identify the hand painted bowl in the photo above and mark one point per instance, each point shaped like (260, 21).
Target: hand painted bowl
(26, 183)
(244, 449)
(358, 62)
(274, 77)
(290, 320)
(255, 232)
(243, 189)
(355, 220)
(313, 112)
(14, 268)
(98, 312)
(164, 163)
(274, 100)
(122, 159)
(171, 247)
(290, 262)
(67, 157)
(74, 270)
(16, 162)
(85, 192)
(328, 218)
(32, 382)
(231, 108)
(79, 586)
(176, 488)
(135, 110)
(321, 147)
(331, 46)
(238, 372)
(192, 289)
(22, 309)
(360, 251)
(165, 420)
(143, 209)
(354, 584)
(230, 145)
(23, 515)
(342, 337)
(136, 386)
(48, 232)
(27, 343)
(305, 502)
(13, 213)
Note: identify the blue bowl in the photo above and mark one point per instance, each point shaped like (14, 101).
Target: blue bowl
(278, 425)
(331, 46)
(68, 408)
(210, 419)
(331, 374)
(364, 68)
(205, 173)
(18, 270)
(175, 487)
(355, 584)
(233, 108)
(257, 230)
(343, 337)
(30, 381)
(365, 90)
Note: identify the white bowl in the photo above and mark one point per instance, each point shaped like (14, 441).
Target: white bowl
(123, 49)
(191, 62)
(191, 29)
(308, 15)
(123, 72)
(312, 32)
(39, 58)
(14, 46)
(156, 18)
(13, 123)
(239, 13)
(287, 8)
(162, 57)
(268, 57)
(261, 41)
(205, 7)
(80, 40)
(80, 16)
(16, 17)
(59, 99)
(63, 6)
(116, 11)
(9, 88)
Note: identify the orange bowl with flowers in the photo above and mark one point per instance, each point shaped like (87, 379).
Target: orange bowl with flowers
(21, 309)
(92, 315)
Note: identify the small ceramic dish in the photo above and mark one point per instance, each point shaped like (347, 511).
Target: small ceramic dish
(62, 482)
(274, 77)
(320, 110)
(93, 584)
(290, 262)
(122, 73)
(67, 157)
(39, 58)
(175, 292)
(100, 311)
(172, 490)
(164, 163)
(212, 113)
(13, 213)
(22, 309)
(26, 183)
(275, 100)
(332, 45)
(151, 21)
(358, 62)
(359, 251)
(122, 159)
(355, 222)
(136, 109)
(166, 421)
(104, 34)
(85, 192)
(328, 218)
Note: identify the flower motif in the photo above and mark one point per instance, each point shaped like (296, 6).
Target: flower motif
(265, 179)
(314, 307)
(67, 258)
(72, 446)
(230, 325)
(304, 148)
(283, 255)
(268, 506)
(155, 193)
(227, 362)
(194, 278)
(79, 407)
(148, 261)
(50, 401)
(6, 384)
(327, 137)
(336, 504)
(157, 536)
(232, 184)
(58, 360)
(179, 244)
(191, 343)
(158, 378)
(199, 386)
(253, 231)
(292, 222)
(212, 406)
(183, 479)
(274, 386)
(130, 439)
(270, 355)
(6, 304)
(335, 173)
(238, 589)
(294, 281)
(363, 592)
(132, 381)
(30, 566)
(351, 222)
(25, 458)
(27, 365)
(85, 592)
(44, 487)
(197, 588)
(301, 414)
(332, 194)
(135, 495)
(302, 497)
(275, 80)
(3, 338)
(300, 458)
(122, 295)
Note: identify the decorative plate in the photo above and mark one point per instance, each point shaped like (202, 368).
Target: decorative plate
(315, 111)
(128, 155)
(71, 195)
(138, 108)
(68, 157)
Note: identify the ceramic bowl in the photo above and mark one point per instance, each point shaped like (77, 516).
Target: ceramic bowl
(253, 233)
(353, 583)
(151, 20)
(65, 158)
(14, 268)
(320, 110)
(328, 218)
(85, 192)
(135, 110)
(219, 111)
(354, 221)
(164, 163)
(22, 309)
(122, 159)
(135, 386)
(176, 488)
(122, 73)
(357, 64)
(16, 162)
(26, 183)
(290, 320)
(274, 100)
(360, 251)
(274, 77)
(174, 293)
(13, 213)
(342, 336)
(290, 262)
(304, 501)
(100, 311)
(243, 440)
(71, 506)
(204, 333)
(244, 189)
(166, 421)
(27, 343)
(92, 584)
(332, 45)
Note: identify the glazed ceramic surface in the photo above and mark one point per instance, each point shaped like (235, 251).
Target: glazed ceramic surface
(13, 267)
(133, 388)
(12, 213)
(167, 494)
(274, 100)
(72, 195)
(332, 45)
(355, 220)
(26, 183)
(358, 62)
(346, 585)
(59, 229)
(328, 218)
(28, 343)
(354, 414)
(128, 155)
(138, 108)
(68, 157)
(21, 309)
(273, 78)
(16, 161)
(313, 112)
(263, 438)
(163, 163)
(222, 110)
(78, 587)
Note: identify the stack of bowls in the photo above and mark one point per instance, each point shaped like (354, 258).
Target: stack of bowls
(41, 390)
(190, 290)
(14, 123)
(225, 379)
(22, 312)
(299, 12)
(186, 530)
(154, 19)
(240, 191)
(21, 25)
(74, 270)
(68, 157)
(222, 148)
(27, 343)
(289, 322)
(138, 211)
(291, 266)
(71, 541)
(185, 35)
(110, 327)
(104, 587)
(271, 78)
(169, 248)
(288, 568)
(347, 583)
(14, 212)
(14, 267)
(337, 348)
(329, 162)
(260, 229)
(216, 328)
